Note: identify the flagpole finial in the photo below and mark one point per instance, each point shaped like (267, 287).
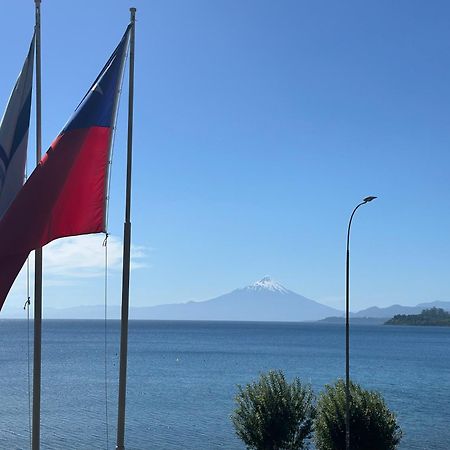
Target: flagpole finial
(133, 15)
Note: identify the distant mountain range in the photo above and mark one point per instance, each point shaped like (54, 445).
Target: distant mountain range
(264, 300)
(393, 310)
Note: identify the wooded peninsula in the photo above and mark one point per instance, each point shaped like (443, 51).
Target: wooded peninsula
(428, 317)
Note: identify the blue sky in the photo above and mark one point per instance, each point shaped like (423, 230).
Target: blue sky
(259, 125)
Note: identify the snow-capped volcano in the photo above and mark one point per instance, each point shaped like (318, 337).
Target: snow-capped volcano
(264, 300)
(267, 284)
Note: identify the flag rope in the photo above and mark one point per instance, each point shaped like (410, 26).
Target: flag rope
(105, 245)
(111, 154)
(27, 307)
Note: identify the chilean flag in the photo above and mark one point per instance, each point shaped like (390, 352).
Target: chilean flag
(67, 192)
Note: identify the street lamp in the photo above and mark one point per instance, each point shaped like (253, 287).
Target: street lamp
(347, 327)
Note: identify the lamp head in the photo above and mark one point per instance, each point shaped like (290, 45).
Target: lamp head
(369, 199)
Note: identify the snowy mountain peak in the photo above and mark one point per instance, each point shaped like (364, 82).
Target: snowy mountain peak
(267, 284)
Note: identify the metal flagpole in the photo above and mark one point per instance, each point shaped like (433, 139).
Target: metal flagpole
(38, 256)
(126, 254)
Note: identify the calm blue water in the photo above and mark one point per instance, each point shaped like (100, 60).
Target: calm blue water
(182, 378)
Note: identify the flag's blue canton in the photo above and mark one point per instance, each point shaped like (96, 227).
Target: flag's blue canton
(96, 109)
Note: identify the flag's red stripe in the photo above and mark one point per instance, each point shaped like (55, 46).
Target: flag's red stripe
(80, 207)
(65, 196)
(9, 268)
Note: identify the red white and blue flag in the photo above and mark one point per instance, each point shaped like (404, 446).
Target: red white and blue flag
(67, 192)
(14, 135)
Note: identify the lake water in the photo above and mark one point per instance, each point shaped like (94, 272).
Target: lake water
(183, 376)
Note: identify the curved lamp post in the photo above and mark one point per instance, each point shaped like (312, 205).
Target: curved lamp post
(347, 327)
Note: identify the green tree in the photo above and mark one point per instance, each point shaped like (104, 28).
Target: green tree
(272, 414)
(372, 425)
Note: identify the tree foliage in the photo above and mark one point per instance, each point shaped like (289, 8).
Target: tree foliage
(272, 414)
(431, 316)
(372, 425)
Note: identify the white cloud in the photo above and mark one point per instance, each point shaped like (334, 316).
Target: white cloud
(75, 261)
(81, 256)
(84, 257)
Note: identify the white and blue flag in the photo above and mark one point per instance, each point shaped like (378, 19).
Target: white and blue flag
(14, 135)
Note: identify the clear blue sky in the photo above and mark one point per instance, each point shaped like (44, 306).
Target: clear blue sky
(259, 125)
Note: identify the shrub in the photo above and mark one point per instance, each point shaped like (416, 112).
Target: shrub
(272, 414)
(372, 425)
